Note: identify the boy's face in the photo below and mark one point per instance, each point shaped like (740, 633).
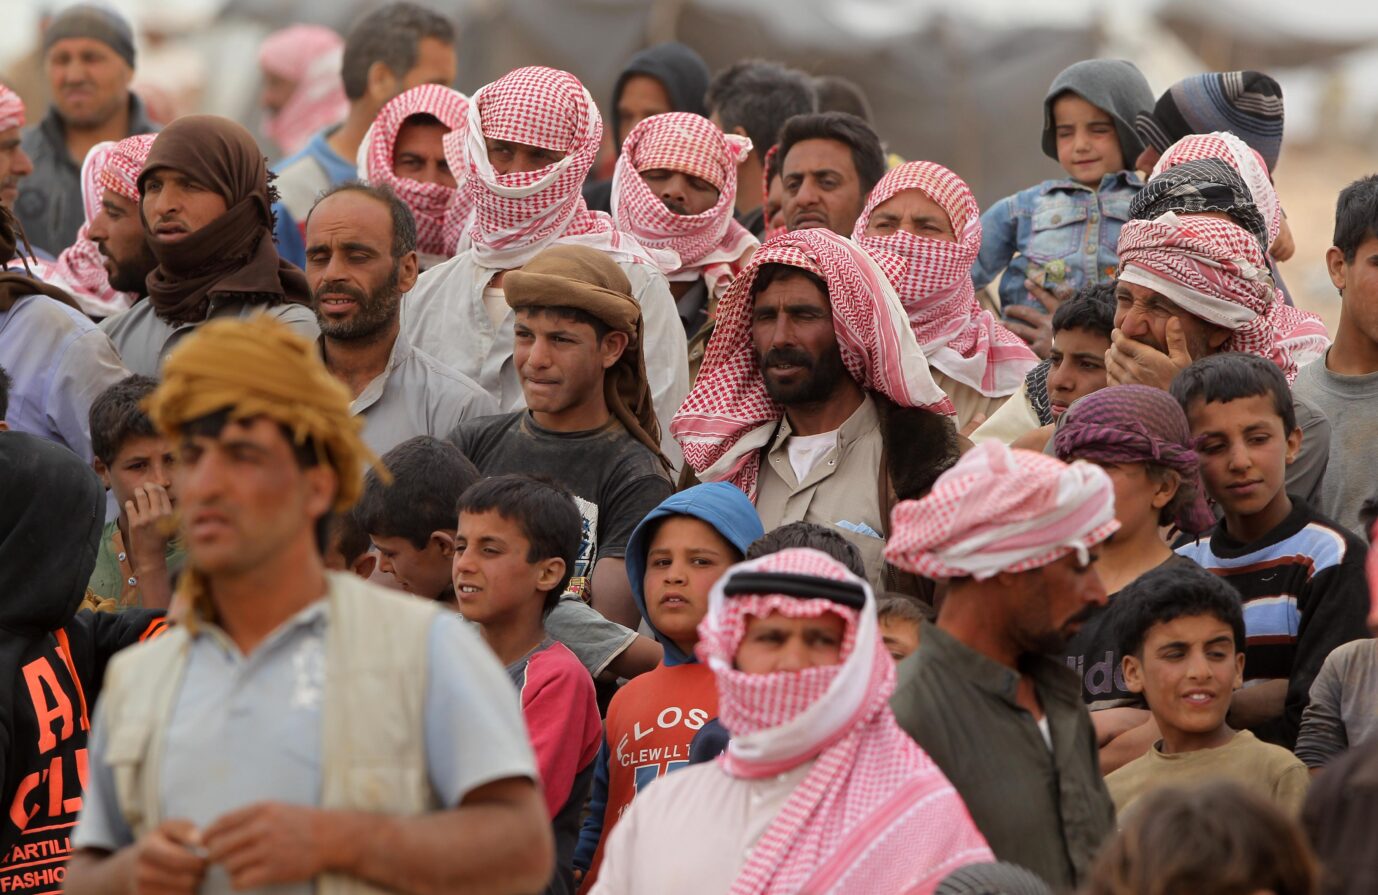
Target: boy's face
(900, 635)
(492, 577)
(1357, 281)
(1187, 669)
(143, 460)
(686, 557)
(1078, 367)
(1088, 147)
(1139, 498)
(1244, 452)
(562, 361)
(424, 572)
(781, 643)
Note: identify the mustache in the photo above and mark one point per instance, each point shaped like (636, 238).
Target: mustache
(792, 356)
(339, 288)
(676, 207)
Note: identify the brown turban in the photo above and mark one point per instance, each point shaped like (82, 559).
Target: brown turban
(579, 277)
(235, 253)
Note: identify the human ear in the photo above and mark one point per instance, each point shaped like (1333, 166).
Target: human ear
(551, 571)
(1335, 265)
(1133, 674)
(614, 344)
(445, 541)
(1293, 445)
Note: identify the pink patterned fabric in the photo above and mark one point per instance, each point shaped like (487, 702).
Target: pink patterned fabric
(1302, 333)
(80, 269)
(120, 173)
(728, 415)
(439, 210)
(873, 813)
(310, 56)
(708, 245)
(517, 215)
(1210, 264)
(959, 337)
(1002, 510)
(11, 109)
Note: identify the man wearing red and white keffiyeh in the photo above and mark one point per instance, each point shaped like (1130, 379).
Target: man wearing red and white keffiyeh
(927, 215)
(528, 140)
(819, 790)
(674, 189)
(806, 338)
(404, 150)
(15, 164)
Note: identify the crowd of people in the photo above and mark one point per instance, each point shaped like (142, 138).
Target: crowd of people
(425, 513)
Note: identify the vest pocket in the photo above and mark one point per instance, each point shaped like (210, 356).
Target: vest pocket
(127, 754)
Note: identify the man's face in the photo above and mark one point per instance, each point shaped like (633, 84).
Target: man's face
(1357, 281)
(176, 206)
(356, 283)
(781, 643)
(913, 212)
(1244, 452)
(424, 572)
(143, 460)
(562, 361)
(90, 81)
(1142, 315)
(1050, 604)
(1088, 146)
(774, 209)
(119, 234)
(796, 345)
(682, 193)
(276, 91)
(519, 158)
(244, 496)
(493, 578)
(419, 153)
(1078, 367)
(821, 187)
(1187, 670)
(435, 64)
(15, 165)
(642, 96)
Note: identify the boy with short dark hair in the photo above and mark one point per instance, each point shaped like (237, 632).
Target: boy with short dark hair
(1300, 574)
(135, 463)
(900, 617)
(815, 537)
(674, 558)
(412, 520)
(1181, 635)
(513, 554)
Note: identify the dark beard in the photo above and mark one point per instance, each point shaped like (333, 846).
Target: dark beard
(812, 389)
(377, 310)
(132, 277)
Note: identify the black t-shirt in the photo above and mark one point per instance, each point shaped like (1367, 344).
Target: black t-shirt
(1094, 654)
(45, 765)
(615, 479)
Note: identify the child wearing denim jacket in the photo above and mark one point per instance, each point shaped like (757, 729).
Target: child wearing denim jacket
(1061, 234)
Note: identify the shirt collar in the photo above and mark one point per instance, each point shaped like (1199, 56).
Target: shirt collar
(1001, 681)
(857, 426)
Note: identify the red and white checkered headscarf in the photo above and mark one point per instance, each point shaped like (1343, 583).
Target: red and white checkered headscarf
(1302, 333)
(959, 337)
(728, 415)
(1212, 269)
(439, 210)
(11, 109)
(120, 173)
(517, 215)
(310, 56)
(80, 269)
(874, 813)
(1002, 510)
(708, 245)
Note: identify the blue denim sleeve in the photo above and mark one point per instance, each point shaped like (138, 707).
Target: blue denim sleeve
(286, 233)
(592, 830)
(999, 230)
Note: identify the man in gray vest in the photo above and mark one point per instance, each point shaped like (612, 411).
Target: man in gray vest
(294, 732)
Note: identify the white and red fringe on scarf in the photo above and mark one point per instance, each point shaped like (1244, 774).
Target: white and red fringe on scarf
(11, 109)
(517, 215)
(309, 56)
(440, 212)
(960, 338)
(728, 416)
(874, 813)
(711, 244)
(1303, 333)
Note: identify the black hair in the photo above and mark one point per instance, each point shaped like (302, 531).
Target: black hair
(390, 35)
(423, 119)
(349, 536)
(428, 476)
(813, 536)
(1231, 376)
(867, 155)
(545, 512)
(578, 315)
(838, 94)
(403, 222)
(1356, 215)
(759, 96)
(769, 273)
(117, 415)
(905, 607)
(1171, 591)
(1092, 309)
(4, 393)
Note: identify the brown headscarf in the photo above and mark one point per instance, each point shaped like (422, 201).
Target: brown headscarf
(234, 254)
(13, 284)
(575, 276)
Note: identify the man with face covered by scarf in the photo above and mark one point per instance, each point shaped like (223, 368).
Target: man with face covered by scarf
(205, 201)
(528, 140)
(819, 790)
